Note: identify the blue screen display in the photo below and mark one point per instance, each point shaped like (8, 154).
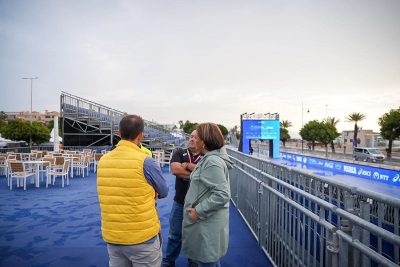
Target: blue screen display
(270, 129)
(366, 172)
(261, 129)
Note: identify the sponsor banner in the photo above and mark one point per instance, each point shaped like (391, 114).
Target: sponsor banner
(366, 172)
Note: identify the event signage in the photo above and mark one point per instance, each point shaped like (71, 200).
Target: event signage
(366, 172)
(260, 129)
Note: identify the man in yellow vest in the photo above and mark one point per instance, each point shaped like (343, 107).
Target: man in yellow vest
(128, 181)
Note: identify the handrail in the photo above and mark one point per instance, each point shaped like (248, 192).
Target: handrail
(354, 189)
(342, 237)
(91, 102)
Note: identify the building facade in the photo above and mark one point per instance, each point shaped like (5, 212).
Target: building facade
(43, 117)
(365, 138)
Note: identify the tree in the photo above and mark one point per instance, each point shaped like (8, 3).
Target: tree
(322, 132)
(284, 135)
(309, 132)
(236, 131)
(284, 132)
(3, 116)
(187, 126)
(3, 119)
(223, 129)
(332, 121)
(40, 133)
(326, 134)
(355, 117)
(390, 127)
(286, 124)
(19, 130)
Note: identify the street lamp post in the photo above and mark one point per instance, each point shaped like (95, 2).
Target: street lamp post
(241, 132)
(302, 125)
(30, 78)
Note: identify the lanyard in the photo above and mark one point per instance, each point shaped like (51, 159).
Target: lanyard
(195, 160)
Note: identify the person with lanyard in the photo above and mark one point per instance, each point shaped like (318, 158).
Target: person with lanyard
(183, 162)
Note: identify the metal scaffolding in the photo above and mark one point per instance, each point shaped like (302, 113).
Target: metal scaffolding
(86, 123)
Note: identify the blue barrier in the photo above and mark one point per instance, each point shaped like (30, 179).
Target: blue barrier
(366, 172)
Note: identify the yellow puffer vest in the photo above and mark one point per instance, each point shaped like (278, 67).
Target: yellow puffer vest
(127, 200)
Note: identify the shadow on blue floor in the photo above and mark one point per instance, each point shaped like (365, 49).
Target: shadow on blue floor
(61, 227)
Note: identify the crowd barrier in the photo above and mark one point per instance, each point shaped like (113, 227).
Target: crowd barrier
(299, 219)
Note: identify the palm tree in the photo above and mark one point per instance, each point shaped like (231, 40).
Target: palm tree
(286, 124)
(332, 121)
(284, 133)
(355, 117)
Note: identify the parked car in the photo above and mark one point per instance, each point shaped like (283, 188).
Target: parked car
(368, 154)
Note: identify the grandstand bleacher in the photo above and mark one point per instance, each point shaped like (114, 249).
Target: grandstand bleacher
(86, 123)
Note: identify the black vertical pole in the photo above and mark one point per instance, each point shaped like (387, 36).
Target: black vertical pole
(241, 134)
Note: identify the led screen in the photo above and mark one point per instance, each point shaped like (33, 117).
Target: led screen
(261, 129)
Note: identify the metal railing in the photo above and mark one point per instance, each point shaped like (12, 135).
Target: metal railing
(25, 149)
(152, 147)
(301, 220)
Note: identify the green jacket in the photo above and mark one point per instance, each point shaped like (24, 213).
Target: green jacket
(207, 239)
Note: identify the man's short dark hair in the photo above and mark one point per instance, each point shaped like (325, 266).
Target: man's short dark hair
(131, 126)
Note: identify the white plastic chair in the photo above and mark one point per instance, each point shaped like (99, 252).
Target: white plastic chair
(166, 157)
(3, 165)
(17, 171)
(63, 173)
(84, 164)
(47, 163)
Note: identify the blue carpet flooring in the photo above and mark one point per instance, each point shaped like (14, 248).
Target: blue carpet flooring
(61, 227)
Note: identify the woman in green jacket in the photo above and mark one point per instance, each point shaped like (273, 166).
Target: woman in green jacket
(205, 230)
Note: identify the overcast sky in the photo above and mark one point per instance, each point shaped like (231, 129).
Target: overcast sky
(205, 60)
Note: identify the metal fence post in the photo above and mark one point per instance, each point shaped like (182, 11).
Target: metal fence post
(237, 188)
(356, 253)
(260, 192)
(346, 253)
(365, 214)
(333, 250)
